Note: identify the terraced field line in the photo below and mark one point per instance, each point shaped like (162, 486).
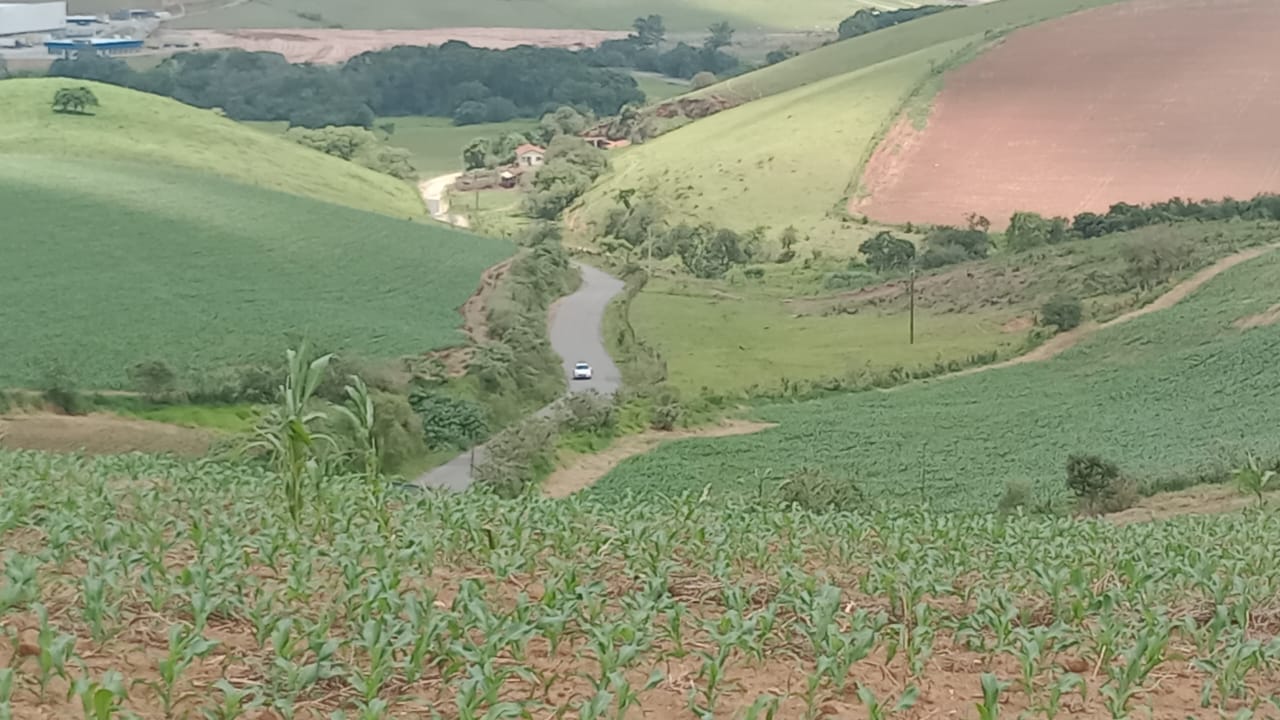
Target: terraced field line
(1062, 342)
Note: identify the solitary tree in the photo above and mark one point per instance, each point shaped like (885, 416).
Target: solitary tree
(721, 35)
(74, 100)
(886, 252)
(649, 31)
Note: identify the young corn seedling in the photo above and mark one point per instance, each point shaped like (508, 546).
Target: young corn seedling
(989, 708)
(100, 700)
(879, 711)
(19, 587)
(764, 708)
(54, 651)
(369, 677)
(1127, 679)
(1060, 687)
(186, 644)
(6, 693)
(233, 702)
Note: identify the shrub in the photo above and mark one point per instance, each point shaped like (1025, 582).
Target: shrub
(845, 280)
(702, 80)
(517, 458)
(755, 273)
(936, 256)
(589, 412)
(813, 490)
(155, 378)
(667, 410)
(59, 390)
(1098, 484)
(448, 421)
(885, 252)
(1062, 311)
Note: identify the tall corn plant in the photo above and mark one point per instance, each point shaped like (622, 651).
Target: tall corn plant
(360, 414)
(289, 432)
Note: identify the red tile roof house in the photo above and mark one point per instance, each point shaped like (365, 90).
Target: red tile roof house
(530, 156)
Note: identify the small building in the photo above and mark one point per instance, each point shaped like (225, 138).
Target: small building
(530, 156)
(508, 179)
(70, 47)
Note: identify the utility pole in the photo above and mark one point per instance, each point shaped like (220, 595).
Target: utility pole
(913, 303)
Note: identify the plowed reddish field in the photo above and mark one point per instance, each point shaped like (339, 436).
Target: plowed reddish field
(1136, 102)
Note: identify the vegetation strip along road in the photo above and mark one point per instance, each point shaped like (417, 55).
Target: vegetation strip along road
(576, 336)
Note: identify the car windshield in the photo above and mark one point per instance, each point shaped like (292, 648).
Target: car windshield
(582, 366)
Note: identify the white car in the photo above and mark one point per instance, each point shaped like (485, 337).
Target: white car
(582, 371)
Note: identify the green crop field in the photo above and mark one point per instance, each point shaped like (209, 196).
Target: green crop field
(180, 590)
(110, 263)
(1159, 395)
(680, 15)
(142, 128)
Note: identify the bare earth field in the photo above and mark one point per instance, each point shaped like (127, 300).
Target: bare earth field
(335, 46)
(1136, 102)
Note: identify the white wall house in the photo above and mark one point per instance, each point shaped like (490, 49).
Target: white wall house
(32, 18)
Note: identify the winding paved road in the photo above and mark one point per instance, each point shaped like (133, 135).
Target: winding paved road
(576, 335)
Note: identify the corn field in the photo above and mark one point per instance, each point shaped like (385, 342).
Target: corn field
(143, 587)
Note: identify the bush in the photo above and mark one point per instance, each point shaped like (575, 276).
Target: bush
(813, 490)
(154, 378)
(1062, 311)
(517, 458)
(448, 421)
(702, 80)
(58, 389)
(1098, 484)
(589, 412)
(667, 409)
(936, 256)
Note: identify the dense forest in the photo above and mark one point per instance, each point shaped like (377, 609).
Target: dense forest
(471, 85)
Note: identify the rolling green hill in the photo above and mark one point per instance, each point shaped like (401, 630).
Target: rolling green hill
(1163, 394)
(792, 149)
(108, 263)
(680, 15)
(141, 128)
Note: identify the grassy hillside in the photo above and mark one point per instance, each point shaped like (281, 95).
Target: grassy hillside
(1161, 395)
(783, 160)
(109, 263)
(679, 15)
(614, 591)
(792, 156)
(141, 128)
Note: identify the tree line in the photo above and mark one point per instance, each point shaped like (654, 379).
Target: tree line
(868, 20)
(641, 51)
(471, 85)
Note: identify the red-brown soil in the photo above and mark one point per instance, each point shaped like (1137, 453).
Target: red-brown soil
(1136, 102)
(335, 46)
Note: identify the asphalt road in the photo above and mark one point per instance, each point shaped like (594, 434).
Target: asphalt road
(576, 335)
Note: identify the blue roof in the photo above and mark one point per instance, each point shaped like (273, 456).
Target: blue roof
(75, 43)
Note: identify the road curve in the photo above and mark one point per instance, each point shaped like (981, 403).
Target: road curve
(433, 193)
(576, 329)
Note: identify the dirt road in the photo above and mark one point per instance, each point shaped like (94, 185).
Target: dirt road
(435, 193)
(576, 335)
